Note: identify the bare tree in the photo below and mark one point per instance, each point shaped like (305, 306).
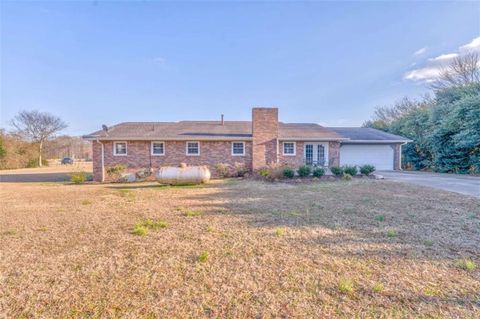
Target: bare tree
(37, 127)
(385, 115)
(463, 70)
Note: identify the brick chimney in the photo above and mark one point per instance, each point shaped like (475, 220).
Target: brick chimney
(265, 136)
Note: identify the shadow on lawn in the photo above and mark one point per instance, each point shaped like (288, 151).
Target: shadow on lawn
(344, 216)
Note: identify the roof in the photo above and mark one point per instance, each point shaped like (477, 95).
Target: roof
(234, 130)
(366, 134)
(207, 130)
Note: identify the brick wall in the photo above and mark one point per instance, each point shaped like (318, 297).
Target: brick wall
(211, 153)
(293, 161)
(265, 136)
(297, 160)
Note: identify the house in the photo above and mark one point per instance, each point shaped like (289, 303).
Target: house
(255, 144)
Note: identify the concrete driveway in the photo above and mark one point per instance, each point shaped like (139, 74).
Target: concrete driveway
(463, 184)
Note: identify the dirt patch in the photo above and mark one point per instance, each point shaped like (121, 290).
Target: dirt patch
(238, 249)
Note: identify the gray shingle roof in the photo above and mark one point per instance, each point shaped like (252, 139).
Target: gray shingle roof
(233, 130)
(366, 134)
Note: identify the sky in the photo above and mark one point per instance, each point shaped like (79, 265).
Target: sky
(332, 63)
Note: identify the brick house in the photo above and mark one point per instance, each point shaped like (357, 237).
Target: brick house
(254, 144)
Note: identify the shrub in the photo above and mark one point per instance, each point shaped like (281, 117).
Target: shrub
(467, 264)
(223, 170)
(304, 170)
(350, 170)
(114, 171)
(336, 170)
(288, 172)
(345, 286)
(318, 172)
(380, 218)
(203, 257)
(78, 177)
(347, 177)
(367, 169)
(264, 172)
(240, 169)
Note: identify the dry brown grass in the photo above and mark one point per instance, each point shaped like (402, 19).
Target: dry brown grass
(68, 251)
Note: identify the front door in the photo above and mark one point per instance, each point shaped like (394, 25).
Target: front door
(315, 154)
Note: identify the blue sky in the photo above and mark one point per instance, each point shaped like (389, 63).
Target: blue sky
(327, 62)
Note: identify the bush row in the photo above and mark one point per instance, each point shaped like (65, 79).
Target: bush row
(273, 172)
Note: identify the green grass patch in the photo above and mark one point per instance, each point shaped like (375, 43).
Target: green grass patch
(192, 213)
(391, 233)
(380, 218)
(11, 232)
(345, 286)
(428, 243)
(280, 231)
(378, 287)
(140, 230)
(467, 264)
(203, 257)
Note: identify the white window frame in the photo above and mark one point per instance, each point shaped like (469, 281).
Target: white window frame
(115, 148)
(294, 149)
(186, 148)
(238, 142)
(151, 148)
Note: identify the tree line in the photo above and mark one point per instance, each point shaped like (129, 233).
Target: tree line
(34, 139)
(444, 128)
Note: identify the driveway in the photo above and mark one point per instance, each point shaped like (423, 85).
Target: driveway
(463, 184)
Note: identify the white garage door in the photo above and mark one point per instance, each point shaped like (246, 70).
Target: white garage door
(380, 156)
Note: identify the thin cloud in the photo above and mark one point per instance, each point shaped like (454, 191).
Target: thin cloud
(474, 45)
(433, 68)
(420, 51)
(161, 61)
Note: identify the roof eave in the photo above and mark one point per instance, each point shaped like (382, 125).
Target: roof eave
(378, 141)
(321, 139)
(149, 138)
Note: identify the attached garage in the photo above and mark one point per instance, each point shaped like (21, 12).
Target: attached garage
(379, 155)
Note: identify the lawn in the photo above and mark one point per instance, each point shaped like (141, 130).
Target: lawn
(238, 249)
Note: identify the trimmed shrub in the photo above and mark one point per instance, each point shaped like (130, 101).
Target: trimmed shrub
(318, 172)
(264, 172)
(336, 170)
(304, 171)
(114, 172)
(240, 169)
(367, 169)
(223, 170)
(288, 172)
(350, 170)
(78, 177)
(347, 177)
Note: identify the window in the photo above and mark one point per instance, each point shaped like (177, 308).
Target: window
(238, 148)
(120, 148)
(158, 148)
(193, 148)
(289, 148)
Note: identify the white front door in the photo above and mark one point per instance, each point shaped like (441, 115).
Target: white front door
(316, 154)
